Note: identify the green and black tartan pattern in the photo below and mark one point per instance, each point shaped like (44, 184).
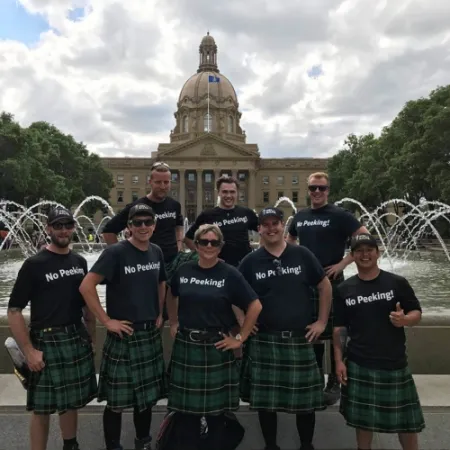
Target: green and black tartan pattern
(68, 379)
(178, 261)
(281, 374)
(328, 332)
(203, 380)
(132, 372)
(383, 401)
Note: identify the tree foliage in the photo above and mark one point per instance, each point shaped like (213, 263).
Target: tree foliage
(40, 162)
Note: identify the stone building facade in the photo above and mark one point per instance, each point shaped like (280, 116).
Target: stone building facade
(207, 142)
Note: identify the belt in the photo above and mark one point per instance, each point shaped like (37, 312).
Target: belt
(59, 329)
(139, 326)
(202, 335)
(285, 334)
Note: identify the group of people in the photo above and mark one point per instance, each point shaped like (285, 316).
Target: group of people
(247, 325)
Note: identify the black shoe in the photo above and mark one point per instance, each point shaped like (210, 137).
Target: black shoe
(307, 447)
(272, 447)
(143, 444)
(332, 390)
(71, 447)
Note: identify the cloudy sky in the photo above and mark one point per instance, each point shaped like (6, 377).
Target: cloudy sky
(307, 72)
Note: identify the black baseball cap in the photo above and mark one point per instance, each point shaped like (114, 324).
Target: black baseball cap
(59, 213)
(270, 212)
(141, 209)
(363, 239)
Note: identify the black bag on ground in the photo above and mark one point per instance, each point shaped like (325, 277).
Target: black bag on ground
(233, 434)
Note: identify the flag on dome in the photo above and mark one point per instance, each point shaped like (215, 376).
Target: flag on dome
(213, 79)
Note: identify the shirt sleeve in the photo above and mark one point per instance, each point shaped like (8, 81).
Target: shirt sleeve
(200, 220)
(162, 267)
(314, 270)
(241, 293)
(23, 287)
(407, 297)
(107, 263)
(244, 269)
(179, 216)
(118, 222)
(350, 223)
(253, 221)
(339, 316)
(175, 284)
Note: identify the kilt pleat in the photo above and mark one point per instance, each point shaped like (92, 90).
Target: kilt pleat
(384, 401)
(281, 375)
(132, 371)
(203, 379)
(68, 379)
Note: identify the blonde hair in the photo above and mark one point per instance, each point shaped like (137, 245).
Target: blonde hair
(319, 175)
(205, 229)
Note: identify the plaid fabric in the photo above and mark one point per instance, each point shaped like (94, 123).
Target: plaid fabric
(68, 379)
(328, 333)
(132, 371)
(383, 401)
(178, 261)
(203, 380)
(281, 374)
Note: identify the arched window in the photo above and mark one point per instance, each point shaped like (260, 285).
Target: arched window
(207, 122)
(230, 124)
(185, 126)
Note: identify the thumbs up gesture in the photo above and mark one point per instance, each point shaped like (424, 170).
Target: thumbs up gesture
(398, 316)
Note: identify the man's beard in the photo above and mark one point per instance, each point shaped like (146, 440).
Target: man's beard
(56, 241)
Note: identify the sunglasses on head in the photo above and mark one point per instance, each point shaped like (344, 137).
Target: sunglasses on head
(140, 222)
(61, 225)
(315, 187)
(160, 164)
(278, 267)
(205, 242)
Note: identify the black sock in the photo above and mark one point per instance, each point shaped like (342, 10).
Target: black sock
(268, 423)
(332, 362)
(70, 443)
(112, 428)
(142, 422)
(319, 350)
(305, 427)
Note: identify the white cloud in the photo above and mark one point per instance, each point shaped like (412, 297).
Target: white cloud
(112, 78)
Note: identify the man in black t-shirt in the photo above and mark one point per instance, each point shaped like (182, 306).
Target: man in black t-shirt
(378, 390)
(280, 372)
(132, 370)
(325, 229)
(58, 348)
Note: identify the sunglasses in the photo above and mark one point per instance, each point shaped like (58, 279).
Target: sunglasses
(160, 164)
(140, 222)
(61, 225)
(205, 242)
(314, 188)
(278, 268)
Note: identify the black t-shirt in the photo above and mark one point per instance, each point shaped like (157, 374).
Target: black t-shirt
(235, 224)
(168, 216)
(132, 279)
(324, 231)
(363, 307)
(283, 285)
(50, 282)
(205, 296)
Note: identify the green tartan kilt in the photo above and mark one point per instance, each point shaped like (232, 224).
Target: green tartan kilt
(68, 379)
(384, 401)
(203, 379)
(328, 332)
(132, 371)
(281, 374)
(178, 261)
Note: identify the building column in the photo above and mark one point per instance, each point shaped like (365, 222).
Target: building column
(251, 189)
(234, 174)
(182, 174)
(199, 191)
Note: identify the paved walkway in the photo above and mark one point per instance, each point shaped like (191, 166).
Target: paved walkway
(331, 431)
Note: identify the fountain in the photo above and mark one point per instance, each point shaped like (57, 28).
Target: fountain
(424, 262)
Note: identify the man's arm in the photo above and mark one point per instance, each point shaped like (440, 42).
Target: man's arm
(88, 290)
(110, 238)
(162, 298)
(91, 323)
(179, 231)
(115, 225)
(291, 239)
(19, 329)
(339, 343)
(325, 297)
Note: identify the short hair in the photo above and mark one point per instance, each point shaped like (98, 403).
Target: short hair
(160, 167)
(226, 179)
(205, 229)
(319, 175)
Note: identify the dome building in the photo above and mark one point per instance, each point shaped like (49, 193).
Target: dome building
(207, 141)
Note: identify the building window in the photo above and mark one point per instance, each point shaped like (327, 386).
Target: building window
(265, 197)
(174, 177)
(280, 180)
(265, 179)
(230, 124)
(208, 196)
(226, 173)
(174, 193)
(294, 179)
(185, 126)
(134, 196)
(295, 196)
(280, 194)
(120, 179)
(119, 196)
(191, 195)
(208, 178)
(135, 179)
(191, 176)
(207, 122)
(241, 176)
(242, 196)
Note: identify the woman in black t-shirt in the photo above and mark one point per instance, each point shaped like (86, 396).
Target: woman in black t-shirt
(204, 379)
